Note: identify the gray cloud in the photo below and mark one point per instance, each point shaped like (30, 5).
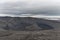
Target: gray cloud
(19, 8)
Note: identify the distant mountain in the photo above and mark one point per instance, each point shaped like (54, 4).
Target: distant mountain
(28, 24)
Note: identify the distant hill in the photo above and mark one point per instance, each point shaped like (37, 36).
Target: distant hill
(28, 24)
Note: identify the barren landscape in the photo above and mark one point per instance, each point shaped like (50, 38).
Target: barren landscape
(28, 28)
(29, 35)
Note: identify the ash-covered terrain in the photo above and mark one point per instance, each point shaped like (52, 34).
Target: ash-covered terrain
(26, 24)
(28, 28)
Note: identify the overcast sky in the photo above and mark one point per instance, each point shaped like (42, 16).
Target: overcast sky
(30, 8)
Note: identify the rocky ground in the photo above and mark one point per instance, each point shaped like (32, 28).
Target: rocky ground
(27, 28)
(30, 35)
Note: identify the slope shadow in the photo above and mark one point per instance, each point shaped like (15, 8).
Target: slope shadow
(45, 26)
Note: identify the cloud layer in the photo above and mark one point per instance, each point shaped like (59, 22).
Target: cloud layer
(30, 7)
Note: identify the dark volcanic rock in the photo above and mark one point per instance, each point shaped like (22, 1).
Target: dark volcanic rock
(24, 23)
